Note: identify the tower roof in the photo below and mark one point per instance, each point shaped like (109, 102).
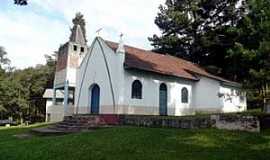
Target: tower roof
(77, 35)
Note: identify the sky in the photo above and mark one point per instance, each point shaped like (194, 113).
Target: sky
(29, 32)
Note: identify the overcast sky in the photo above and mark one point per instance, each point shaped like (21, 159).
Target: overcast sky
(29, 32)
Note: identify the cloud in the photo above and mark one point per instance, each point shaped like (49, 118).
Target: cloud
(29, 33)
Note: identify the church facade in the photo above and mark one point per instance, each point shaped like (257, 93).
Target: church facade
(114, 78)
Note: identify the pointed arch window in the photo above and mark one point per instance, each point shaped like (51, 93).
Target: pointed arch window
(184, 95)
(136, 91)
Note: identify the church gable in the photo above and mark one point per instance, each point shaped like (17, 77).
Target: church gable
(98, 67)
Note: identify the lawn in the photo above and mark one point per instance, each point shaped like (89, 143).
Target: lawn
(137, 143)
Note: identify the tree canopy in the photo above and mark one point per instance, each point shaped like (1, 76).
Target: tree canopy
(21, 2)
(21, 90)
(196, 30)
(230, 38)
(3, 59)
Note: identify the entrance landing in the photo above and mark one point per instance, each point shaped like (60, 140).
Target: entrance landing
(78, 123)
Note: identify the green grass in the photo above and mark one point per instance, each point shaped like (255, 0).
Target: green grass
(122, 143)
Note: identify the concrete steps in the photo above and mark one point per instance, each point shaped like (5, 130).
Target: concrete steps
(78, 123)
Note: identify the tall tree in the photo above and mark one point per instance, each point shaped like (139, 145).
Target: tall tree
(79, 20)
(252, 49)
(34, 81)
(3, 59)
(198, 30)
(21, 2)
(21, 90)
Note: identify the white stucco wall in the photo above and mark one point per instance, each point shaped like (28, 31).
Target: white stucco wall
(150, 93)
(56, 113)
(121, 79)
(205, 95)
(71, 76)
(115, 84)
(94, 65)
(231, 99)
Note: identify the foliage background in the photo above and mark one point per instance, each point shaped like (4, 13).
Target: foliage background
(21, 90)
(229, 38)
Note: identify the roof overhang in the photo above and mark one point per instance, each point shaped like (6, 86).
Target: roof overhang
(127, 67)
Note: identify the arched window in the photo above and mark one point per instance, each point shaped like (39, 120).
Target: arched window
(184, 95)
(136, 92)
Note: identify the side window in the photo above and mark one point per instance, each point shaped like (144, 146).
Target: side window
(82, 49)
(136, 90)
(75, 48)
(184, 95)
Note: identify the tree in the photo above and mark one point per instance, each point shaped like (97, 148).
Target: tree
(3, 59)
(21, 90)
(34, 81)
(79, 20)
(252, 49)
(232, 38)
(198, 30)
(21, 2)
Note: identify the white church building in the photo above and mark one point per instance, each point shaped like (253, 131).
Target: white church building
(114, 78)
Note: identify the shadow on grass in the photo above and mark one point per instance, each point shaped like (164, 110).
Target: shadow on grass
(141, 143)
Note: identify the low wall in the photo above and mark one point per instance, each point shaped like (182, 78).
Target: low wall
(236, 122)
(173, 122)
(56, 113)
(226, 121)
(264, 121)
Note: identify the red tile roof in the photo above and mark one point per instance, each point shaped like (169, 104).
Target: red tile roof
(162, 64)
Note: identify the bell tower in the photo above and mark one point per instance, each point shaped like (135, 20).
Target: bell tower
(69, 57)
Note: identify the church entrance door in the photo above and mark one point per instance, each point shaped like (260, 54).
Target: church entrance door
(95, 98)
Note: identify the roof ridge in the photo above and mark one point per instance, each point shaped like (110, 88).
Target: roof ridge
(173, 66)
(152, 52)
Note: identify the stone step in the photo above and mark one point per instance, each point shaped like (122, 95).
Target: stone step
(75, 125)
(81, 117)
(72, 122)
(68, 127)
(83, 120)
(78, 123)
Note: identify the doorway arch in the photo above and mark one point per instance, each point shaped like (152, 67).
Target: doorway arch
(163, 108)
(94, 99)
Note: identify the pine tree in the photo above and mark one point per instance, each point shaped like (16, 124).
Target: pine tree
(252, 49)
(79, 20)
(21, 2)
(198, 30)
